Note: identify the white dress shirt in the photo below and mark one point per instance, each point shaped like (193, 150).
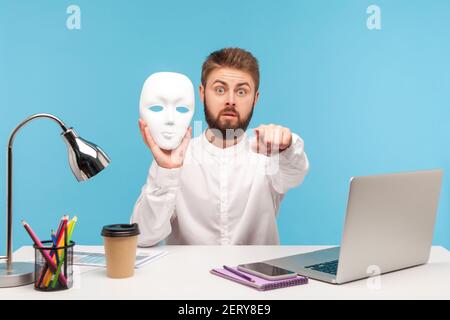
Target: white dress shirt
(227, 196)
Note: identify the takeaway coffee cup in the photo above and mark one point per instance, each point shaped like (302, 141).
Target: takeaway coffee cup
(120, 249)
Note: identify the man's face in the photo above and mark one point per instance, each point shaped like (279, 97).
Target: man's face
(229, 98)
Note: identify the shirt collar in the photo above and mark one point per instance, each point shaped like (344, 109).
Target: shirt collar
(236, 149)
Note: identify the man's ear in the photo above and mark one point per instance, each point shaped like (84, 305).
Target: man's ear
(256, 98)
(201, 90)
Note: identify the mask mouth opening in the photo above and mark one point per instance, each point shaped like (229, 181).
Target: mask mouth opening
(169, 135)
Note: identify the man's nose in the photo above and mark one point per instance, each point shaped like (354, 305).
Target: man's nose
(231, 102)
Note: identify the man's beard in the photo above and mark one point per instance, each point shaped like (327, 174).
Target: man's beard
(228, 129)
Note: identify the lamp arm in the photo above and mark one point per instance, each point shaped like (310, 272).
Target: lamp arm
(9, 178)
(30, 118)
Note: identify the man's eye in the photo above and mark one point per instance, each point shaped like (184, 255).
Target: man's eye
(242, 92)
(220, 90)
(156, 108)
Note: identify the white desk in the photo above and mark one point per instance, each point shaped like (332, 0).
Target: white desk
(184, 274)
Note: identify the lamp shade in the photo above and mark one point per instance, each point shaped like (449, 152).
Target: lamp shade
(86, 159)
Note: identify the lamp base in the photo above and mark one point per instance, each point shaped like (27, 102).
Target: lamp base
(21, 274)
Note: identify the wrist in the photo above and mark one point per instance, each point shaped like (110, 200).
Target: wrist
(168, 165)
(165, 177)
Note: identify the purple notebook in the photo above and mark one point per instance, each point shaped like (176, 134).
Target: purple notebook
(260, 283)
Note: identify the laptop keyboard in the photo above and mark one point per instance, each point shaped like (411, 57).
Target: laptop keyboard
(326, 267)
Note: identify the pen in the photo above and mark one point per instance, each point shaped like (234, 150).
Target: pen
(240, 274)
(55, 252)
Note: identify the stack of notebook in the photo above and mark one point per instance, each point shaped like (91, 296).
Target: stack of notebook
(259, 283)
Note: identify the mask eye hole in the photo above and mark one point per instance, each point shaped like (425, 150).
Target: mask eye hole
(182, 109)
(155, 108)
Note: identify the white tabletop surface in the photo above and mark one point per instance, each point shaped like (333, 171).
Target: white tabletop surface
(184, 274)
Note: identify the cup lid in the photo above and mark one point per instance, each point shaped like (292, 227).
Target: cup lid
(120, 230)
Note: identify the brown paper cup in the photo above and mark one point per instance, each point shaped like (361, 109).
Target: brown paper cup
(120, 250)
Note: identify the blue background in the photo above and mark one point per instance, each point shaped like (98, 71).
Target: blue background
(365, 101)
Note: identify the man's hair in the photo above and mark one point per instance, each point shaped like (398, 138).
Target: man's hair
(232, 58)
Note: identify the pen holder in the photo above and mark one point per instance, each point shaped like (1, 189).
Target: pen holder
(53, 266)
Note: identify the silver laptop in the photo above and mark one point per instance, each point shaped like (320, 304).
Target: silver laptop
(389, 226)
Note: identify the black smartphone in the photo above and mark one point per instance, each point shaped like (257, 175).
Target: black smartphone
(267, 271)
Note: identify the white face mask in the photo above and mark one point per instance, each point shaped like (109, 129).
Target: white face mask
(167, 105)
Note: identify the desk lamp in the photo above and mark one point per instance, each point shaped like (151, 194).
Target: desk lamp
(85, 159)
